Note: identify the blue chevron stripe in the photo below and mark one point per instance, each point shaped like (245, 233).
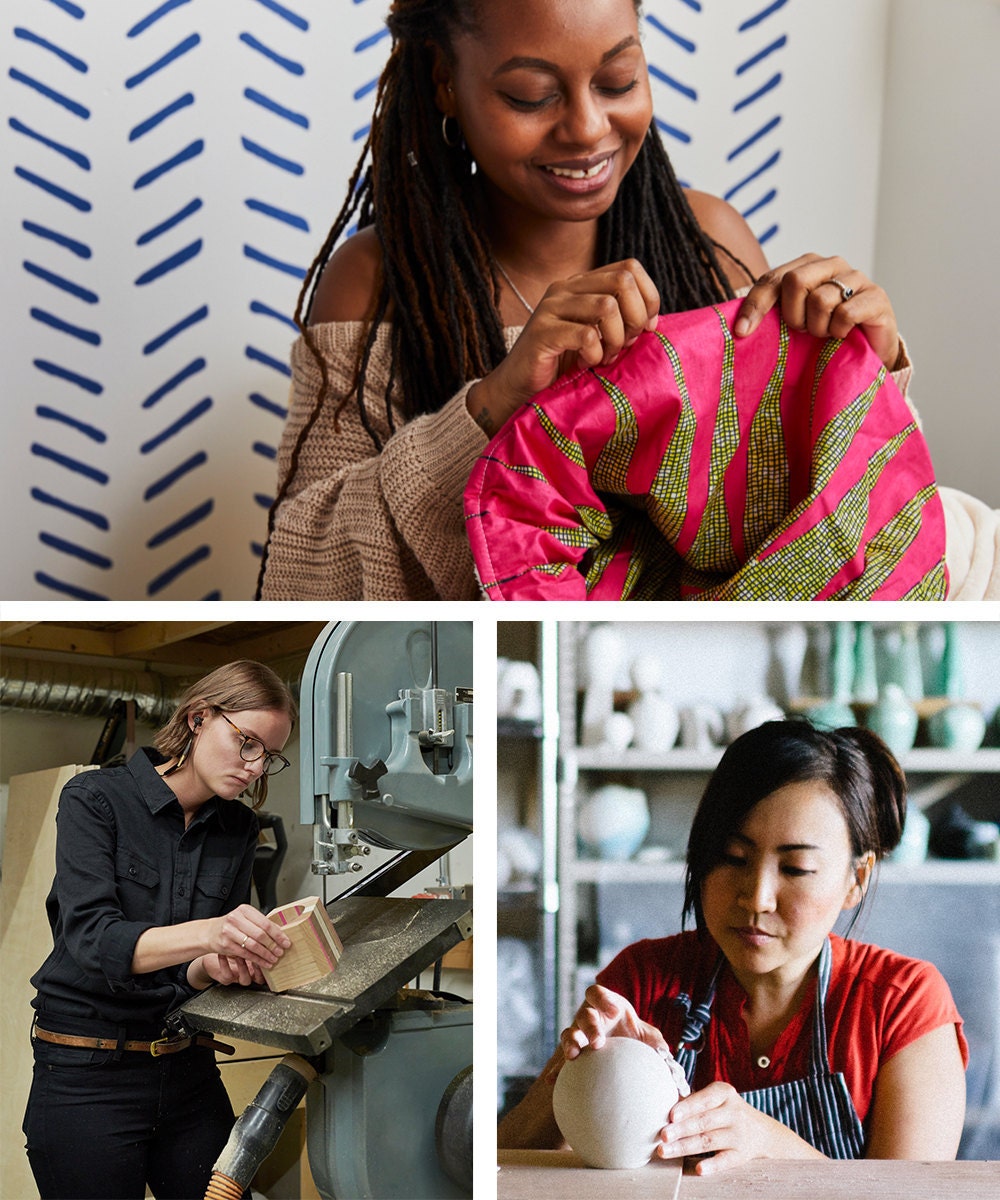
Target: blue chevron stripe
(53, 189)
(764, 13)
(150, 235)
(71, 60)
(669, 80)
(61, 585)
(269, 261)
(181, 525)
(173, 429)
(288, 64)
(98, 520)
(182, 48)
(80, 249)
(71, 464)
(154, 16)
(157, 118)
(276, 364)
(753, 138)
(65, 285)
(264, 310)
(695, 4)
(286, 14)
(71, 548)
(172, 476)
(170, 264)
(169, 334)
(676, 38)
(365, 89)
(765, 166)
(81, 381)
(759, 204)
(372, 40)
(270, 406)
(672, 131)
(182, 156)
(754, 59)
(276, 160)
(278, 214)
(263, 500)
(91, 336)
(265, 451)
(273, 106)
(167, 577)
(753, 97)
(193, 368)
(77, 109)
(74, 10)
(74, 156)
(53, 414)
(767, 234)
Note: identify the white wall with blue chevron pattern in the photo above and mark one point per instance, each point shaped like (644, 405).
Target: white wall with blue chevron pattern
(172, 167)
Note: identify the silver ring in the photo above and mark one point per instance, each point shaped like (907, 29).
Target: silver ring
(845, 292)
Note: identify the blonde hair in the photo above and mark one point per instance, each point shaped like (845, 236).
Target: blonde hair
(236, 687)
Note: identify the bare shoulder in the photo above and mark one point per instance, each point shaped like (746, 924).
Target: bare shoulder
(347, 285)
(724, 225)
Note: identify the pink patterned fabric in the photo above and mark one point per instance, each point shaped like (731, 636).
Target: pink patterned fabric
(704, 467)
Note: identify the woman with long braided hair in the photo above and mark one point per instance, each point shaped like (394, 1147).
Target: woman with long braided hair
(516, 216)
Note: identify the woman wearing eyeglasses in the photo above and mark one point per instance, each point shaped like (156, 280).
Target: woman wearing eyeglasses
(149, 905)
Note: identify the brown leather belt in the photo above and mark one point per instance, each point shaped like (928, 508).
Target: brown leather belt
(167, 1045)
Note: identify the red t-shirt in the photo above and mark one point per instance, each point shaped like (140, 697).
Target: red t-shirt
(878, 1003)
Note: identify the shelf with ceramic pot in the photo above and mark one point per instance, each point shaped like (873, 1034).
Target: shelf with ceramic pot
(932, 870)
(921, 760)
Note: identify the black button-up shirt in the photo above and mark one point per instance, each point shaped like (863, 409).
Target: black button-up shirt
(125, 864)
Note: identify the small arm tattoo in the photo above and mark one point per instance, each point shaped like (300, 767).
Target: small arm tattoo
(485, 421)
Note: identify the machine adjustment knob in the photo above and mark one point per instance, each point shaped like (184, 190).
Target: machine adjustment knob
(367, 777)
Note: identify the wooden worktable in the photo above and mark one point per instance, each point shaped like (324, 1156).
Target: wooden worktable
(560, 1175)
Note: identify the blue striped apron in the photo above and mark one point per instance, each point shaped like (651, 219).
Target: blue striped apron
(819, 1107)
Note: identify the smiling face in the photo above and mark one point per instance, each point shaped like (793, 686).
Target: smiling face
(553, 100)
(784, 877)
(215, 763)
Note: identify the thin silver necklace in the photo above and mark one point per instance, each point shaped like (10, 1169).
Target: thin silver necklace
(513, 286)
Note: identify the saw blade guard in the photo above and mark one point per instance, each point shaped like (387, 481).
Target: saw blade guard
(386, 736)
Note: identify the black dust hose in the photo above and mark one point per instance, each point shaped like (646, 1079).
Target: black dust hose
(258, 1128)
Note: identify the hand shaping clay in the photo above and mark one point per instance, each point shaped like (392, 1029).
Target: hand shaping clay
(611, 1103)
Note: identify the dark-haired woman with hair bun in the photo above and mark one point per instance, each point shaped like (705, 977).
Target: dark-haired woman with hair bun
(150, 904)
(796, 1042)
(516, 217)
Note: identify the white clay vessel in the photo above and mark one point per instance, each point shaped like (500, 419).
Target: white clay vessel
(611, 1103)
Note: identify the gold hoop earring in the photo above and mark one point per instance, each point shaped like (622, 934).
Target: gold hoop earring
(451, 144)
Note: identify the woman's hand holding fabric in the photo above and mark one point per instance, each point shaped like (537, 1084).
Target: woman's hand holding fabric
(585, 320)
(717, 1121)
(827, 297)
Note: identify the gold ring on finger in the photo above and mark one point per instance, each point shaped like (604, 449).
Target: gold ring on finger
(243, 944)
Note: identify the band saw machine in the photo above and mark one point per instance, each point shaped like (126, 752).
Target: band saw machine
(386, 762)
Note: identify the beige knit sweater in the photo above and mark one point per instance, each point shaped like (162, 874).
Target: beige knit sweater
(356, 525)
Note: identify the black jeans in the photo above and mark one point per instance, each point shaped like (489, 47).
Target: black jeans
(100, 1126)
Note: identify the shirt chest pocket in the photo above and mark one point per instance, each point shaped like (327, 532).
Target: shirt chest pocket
(138, 884)
(212, 892)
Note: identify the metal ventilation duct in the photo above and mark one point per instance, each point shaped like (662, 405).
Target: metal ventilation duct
(85, 691)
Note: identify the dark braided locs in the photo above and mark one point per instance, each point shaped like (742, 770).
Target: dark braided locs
(438, 277)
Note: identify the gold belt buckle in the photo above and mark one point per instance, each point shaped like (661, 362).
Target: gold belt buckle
(154, 1047)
